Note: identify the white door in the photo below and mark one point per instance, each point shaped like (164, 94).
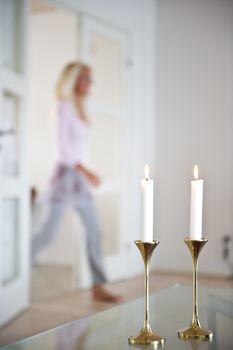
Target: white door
(14, 208)
(106, 49)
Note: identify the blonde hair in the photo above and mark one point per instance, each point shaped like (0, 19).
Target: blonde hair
(64, 89)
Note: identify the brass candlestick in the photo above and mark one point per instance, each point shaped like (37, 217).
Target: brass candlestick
(195, 331)
(146, 335)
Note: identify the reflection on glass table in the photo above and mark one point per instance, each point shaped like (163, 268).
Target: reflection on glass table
(171, 309)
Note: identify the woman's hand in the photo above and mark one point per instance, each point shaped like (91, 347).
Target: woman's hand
(92, 178)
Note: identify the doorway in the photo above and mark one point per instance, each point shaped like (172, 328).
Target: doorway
(58, 36)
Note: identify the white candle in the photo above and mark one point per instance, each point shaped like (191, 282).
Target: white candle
(147, 207)
(196, 206)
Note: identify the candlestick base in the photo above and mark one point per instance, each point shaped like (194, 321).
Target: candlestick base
(146, 337)
(196, 332)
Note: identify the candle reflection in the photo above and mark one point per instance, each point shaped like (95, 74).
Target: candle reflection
(73, 336)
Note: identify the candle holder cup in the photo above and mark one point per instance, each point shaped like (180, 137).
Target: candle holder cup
(146, 335)
(195, 330)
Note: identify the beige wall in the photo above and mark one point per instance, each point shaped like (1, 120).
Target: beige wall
(56, 29)
(59, 30)
(194, 125)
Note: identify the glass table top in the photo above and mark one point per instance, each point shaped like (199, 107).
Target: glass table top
(170, 310)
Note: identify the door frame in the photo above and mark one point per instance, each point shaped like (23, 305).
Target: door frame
(17, 187)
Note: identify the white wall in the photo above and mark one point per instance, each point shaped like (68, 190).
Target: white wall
(56, 30)
(52, 43)
(194, 125)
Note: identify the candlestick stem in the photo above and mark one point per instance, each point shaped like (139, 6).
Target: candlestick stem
(195, 318)
(146, 286)
(146, 335)
(195, 331)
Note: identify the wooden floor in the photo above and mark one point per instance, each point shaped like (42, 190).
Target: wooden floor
(53, 303)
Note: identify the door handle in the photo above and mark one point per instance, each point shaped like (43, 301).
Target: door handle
(6, 132)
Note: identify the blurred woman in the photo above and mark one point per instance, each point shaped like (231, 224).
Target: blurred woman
(70, 185)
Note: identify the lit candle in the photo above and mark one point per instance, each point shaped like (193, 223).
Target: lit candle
(147, 207)
(196, 206)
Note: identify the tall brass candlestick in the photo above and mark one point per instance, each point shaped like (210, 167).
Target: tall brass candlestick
(195, 331)
(146, 335)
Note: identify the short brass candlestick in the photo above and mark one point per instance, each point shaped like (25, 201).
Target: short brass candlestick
(195, 331)
(146, 335)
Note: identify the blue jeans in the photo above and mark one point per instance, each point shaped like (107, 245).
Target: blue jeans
(86, 208)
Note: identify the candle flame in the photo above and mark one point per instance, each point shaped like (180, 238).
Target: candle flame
(195, 172)
(147, 172)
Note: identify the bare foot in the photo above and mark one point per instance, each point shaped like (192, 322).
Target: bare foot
(99, 293)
